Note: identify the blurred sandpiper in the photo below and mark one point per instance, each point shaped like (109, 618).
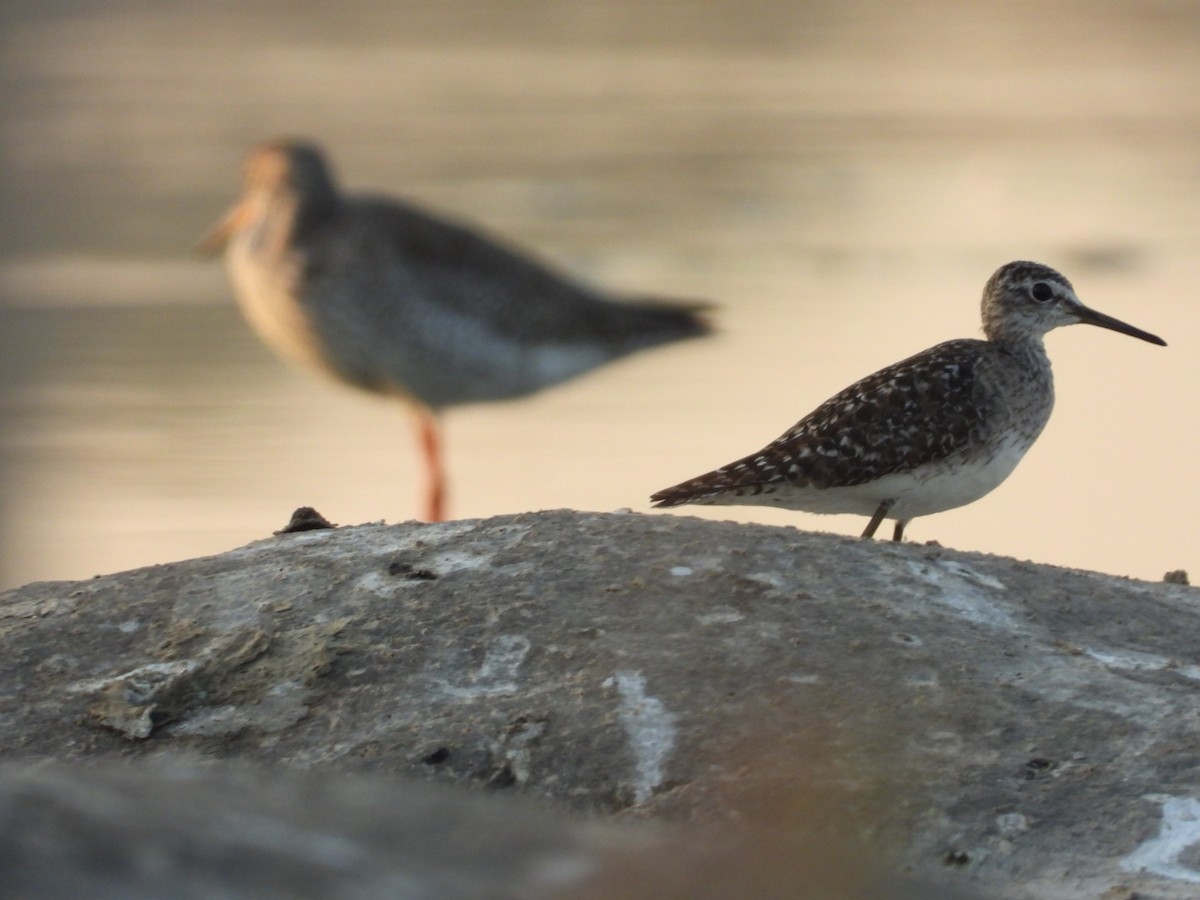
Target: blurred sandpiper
(935, 431)
(394, 300)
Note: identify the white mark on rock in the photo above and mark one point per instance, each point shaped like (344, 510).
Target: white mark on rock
(943, 743)
(926, 679)
(456, 560)
(497, 674)
(680, 571)
(798, 678)
(721, 617)
(1128, 659)
(962, 590)
(1192, 672)
(962, 570)
(1180, 830)
(142, 680)
(651, 729)
(430, 564)
(769, 579)
(514, 747)
(377, 583)
(1009, 824)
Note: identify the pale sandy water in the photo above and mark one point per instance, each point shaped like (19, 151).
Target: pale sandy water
(840, 179)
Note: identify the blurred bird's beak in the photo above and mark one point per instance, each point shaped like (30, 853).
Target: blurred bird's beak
(1091, 317)
(215, 239)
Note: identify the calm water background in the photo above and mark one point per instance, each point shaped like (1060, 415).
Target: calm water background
(840, 178)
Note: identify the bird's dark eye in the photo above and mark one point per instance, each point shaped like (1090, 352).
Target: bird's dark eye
(1041, 292)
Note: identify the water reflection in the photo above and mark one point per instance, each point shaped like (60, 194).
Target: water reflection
(838, 188)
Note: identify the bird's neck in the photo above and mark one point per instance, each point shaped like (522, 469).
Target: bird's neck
(1027, 349)
(312, 209)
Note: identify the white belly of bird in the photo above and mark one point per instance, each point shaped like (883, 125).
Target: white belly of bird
(268, 302)
(928, 489)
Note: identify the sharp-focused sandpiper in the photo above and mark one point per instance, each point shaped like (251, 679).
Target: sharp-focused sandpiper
(935, 431)
(391, 299)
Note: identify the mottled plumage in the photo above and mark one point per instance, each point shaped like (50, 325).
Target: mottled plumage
(932, 432)
(391, 299)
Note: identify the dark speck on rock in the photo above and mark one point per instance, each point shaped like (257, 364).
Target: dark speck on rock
(305, 519)
(1039, 766)
(411, 572)
(956, 858)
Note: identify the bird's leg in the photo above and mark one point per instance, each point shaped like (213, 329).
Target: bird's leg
(429, 436)
(873, 525)
(898, 534)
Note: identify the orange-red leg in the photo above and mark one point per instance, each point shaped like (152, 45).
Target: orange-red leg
(429, 436)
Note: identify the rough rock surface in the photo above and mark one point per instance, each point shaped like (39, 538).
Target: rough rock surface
(1029, 731)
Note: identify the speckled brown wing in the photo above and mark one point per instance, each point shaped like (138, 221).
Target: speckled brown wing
(922, 409)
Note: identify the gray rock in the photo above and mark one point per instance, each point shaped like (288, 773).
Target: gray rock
(190, 830)
(1030, 730)
(185, 831)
